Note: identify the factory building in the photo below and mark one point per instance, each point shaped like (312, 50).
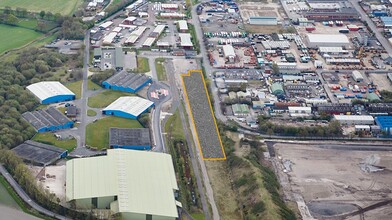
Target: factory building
(334, 108)
(299, 111)
(185, 41)
(341, 14)
(379, 108)
(38, 153)
(229, 53)
(357, 76)
(49, 119)
(354, 119)
(135, 184)
(130, 138)
(386, 21)
(128, 107)
(263, 20)
(126, 82)
(327, 40)
(51, 92)
(385, 123)
(277, 89)
(183, 26)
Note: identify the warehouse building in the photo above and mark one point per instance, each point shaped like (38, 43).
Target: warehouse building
(334, 108)
(128, 107)
(299, 111)
(126, 82)
(354, 119)
(228, 51)
(183, 26)
(130, 138)
(385, 123)
(185, 40)
(240, 110)
(327, 40)
(134, 184)
(277, 89)
(51, 92)
(386, 21)
(263, 20)
(357, 76)
(341, 14)
(38, 153)
(49, 119)
(372, 97)
(379, 108)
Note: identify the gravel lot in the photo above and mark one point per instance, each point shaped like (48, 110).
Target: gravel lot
(203, 117)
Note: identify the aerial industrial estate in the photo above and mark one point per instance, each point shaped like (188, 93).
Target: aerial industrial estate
(215, 109)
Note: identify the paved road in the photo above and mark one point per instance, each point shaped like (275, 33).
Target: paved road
(25, 197)
(14, 214)
(384, 42)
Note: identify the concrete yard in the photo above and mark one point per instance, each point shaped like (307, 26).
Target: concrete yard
(381, 80)
(329, 180)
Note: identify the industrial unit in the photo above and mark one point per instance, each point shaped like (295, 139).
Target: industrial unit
(51, 92)
(137, 184)
(130, 138)
(49, 119)
(126, 82)
(185, 40)
(183, 26)
(327, 40)
(228, 51)
(357, 76)
(354, 119)
(385, 123)
(299, 111)
(263, 20)
(240, 110)
(277, 89)
(128, 107)
(38, 153)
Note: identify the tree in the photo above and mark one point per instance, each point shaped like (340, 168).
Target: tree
(42, 14)
(275, 69)
(11, 19)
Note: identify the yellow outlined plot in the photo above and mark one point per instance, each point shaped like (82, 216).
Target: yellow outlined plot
(207, 152)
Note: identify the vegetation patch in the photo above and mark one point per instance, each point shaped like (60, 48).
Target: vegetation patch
(6, 197)
(161, 72)
(76, 87)
(91, 113)
(49, 138)
(92, 86)
(142, 65)
(97, 133)
(64, 7)
(105, 98)
(15, 37)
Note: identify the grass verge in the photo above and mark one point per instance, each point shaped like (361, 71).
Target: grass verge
(142, 65)
(91, 113)
(97, 133)
(75, 87)
(161, 71)
(103, 99)
(92, 86)
(49, 138)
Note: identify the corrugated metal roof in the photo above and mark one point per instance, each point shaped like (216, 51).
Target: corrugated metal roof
(48, 89)
(130, 104)
(144, 182)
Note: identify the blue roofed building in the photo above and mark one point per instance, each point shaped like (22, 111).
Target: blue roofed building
(387, 21)
(49, 119)
(126, 82)
(51, 92)
(130, 138)
(385, 123)
(128, 107)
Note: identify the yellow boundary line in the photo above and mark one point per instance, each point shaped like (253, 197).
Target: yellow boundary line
(212, 113)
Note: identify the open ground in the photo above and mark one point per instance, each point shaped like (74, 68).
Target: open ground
(15, 37)
(64, 7)
(329, 182)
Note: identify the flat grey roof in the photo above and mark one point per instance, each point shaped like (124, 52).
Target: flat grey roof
(45, 118)
(127, 80)
(38, 153)
(119, 57)
(129, 137)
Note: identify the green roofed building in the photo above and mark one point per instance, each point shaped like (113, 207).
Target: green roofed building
(277, 89)
(139, 185)
(240, 110)
(372, 97)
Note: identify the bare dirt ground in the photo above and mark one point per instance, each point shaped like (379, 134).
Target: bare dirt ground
(51, 178)
(381, 80)
(329, 182)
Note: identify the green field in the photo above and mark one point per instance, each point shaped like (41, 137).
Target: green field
(142, 65)
(106, 97)
(49, 138)
(76, 87)
(97, 133)
(5, 198)
(14, 37)
(161, 72)
(64, 7)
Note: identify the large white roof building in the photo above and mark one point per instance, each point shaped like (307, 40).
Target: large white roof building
(51, 92)
(354, 119)
(128, 107)
(327, 40)
(185, 39)
(136, 184)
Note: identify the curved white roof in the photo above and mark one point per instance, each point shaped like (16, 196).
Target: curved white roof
(48, 89)
(130, 104)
